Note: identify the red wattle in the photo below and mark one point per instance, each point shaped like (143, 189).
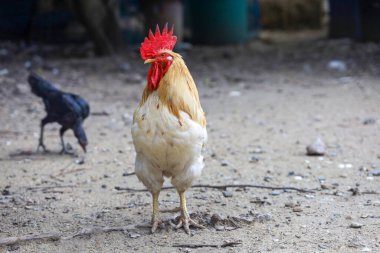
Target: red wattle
(156, 73)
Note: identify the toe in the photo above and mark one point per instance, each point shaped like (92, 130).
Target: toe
(179, 225)
(155, 226)
(193, 223)
(186, 227)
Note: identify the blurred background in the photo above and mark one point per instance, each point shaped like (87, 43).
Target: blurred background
(107, 26)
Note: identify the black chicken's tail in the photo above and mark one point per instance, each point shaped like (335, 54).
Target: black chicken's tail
(40, 86)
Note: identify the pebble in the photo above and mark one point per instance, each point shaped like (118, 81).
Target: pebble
(366, 249)
(290, 204)
(317, 148)
(80, 161)
(219, 228)
(276, 192)
(254, 159)
(297, 209)
(228, 194)
(224, 163)
(356, 225)
(345, 166)
(369, 121)
(323, 246)
(268, 179)
(374, 173)
(134, 235)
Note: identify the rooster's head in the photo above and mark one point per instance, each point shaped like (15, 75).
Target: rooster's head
(157, 50)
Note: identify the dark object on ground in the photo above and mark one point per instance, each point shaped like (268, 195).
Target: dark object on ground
(68, 110)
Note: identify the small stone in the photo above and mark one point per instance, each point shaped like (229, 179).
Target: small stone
(254, 159)
(290, 204)
(268, 179)
(369, 121)
(261, 217)
(219, 228)
(356, 225)
(325, 187)
(228, 194)
(276, 193)
(374, 173)
(317, 148)
(323, 246)
(366, 249)
(80, 161)
(134, 235)
(297, 209)
(224, 163)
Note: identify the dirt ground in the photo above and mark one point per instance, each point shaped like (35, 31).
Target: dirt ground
(265, 102)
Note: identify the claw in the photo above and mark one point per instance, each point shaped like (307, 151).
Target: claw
(185, 223)
(155, 225)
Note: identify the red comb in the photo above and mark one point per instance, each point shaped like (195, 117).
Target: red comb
(154, 43)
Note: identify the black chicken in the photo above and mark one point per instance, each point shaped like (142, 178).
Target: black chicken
(69, 110)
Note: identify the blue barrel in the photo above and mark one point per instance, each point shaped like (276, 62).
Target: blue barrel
(219, 21)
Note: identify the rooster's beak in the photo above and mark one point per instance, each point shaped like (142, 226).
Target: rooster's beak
(149, 61)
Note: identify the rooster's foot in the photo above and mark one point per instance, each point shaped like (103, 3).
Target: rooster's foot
(186, 222)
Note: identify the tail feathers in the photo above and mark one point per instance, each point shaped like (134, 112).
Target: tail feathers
(40, 86)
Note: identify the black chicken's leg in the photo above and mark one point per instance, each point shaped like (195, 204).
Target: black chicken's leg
(44, 121)
(61, 133)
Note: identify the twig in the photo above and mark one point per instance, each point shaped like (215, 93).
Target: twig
(16, 240)
(194, 246)
(223, 187)
(369, 192)
(57, 236)
(128, 174)
(96, 230)
(63, 172)
(43, 188)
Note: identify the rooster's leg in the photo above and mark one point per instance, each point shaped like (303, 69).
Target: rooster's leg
(185, 221)
(174, 210)
(155, 214)
(41, 144)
